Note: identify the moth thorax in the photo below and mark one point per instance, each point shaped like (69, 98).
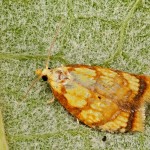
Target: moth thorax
(59, 75)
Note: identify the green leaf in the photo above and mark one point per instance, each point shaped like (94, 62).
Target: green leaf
(3, 142)
(114, 33)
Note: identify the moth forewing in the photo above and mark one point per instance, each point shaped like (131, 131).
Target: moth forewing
(101, 98)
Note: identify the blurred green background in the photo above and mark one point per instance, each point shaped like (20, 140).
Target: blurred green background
(110, 33)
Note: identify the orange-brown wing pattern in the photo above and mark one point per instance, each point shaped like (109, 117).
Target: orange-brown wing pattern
(102, 98)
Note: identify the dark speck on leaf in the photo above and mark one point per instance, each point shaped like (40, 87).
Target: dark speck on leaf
(104, 138)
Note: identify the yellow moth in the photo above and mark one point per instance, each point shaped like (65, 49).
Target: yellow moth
(106, 99)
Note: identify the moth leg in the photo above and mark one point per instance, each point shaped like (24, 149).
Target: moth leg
(51, 101)
(77, 121)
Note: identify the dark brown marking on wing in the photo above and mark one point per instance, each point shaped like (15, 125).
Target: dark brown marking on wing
(142, 88)
(136, 103)
(99, 97)
(130, 120)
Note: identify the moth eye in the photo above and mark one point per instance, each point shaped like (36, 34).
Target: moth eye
(49, 68)
(44, 77)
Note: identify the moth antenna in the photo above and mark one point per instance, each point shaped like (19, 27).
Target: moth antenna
(53, 42)
(31, 86)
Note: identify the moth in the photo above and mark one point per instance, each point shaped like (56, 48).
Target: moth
(101, 98)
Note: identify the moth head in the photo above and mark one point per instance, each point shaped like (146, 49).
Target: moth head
(38, 72)
(56, 75)
(44, 74)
